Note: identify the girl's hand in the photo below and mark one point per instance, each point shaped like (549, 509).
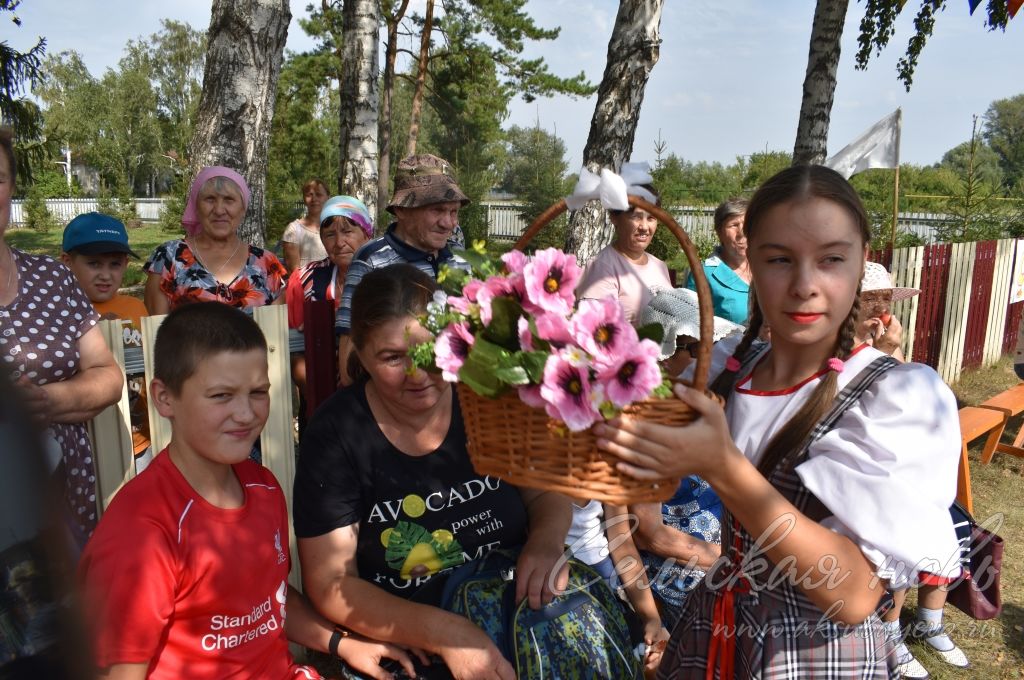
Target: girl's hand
(650, 451)
(365, 656)
(656, 636)
(542, 572)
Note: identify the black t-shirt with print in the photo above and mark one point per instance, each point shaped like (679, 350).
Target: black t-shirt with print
(417, 515)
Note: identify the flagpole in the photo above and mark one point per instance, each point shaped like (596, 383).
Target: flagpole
(896, 182)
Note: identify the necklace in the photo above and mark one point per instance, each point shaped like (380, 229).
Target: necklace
(202, 260)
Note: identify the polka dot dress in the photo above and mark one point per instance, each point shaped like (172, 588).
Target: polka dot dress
(39, 333)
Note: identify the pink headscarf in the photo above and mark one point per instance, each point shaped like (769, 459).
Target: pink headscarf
(190, 218)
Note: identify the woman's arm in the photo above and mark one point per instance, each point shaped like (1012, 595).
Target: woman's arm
(654, 536)
(334, 587)
(291, 255)
(156, 301)
(95, 386)
(835, 574)
(542, 570)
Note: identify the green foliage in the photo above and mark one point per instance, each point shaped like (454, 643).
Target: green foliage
(535, 170)
(122, 206)
(681, 182)
(37, 215)
(18, 70)
(51, 184)
(1004, 133)
(879, 25)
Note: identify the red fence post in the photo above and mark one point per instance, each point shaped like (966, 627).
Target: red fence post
(1013, 316)
(321, 353)
(980, 296)
(931, 310)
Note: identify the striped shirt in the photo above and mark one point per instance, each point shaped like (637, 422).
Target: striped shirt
(382, 252)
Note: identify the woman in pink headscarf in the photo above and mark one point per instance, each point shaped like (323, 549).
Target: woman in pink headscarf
(212, 263)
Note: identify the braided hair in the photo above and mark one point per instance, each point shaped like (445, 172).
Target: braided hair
(798, 183)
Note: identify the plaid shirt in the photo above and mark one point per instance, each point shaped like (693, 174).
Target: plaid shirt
(387, 250)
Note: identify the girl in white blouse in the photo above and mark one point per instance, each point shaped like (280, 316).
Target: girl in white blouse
(836, 463)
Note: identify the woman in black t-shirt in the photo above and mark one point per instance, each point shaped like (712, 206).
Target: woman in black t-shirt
(386, 498)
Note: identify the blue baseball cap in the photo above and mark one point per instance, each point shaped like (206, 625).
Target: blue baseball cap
(94, 233)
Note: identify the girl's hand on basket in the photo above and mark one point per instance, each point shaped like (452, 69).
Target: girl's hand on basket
(650, 451)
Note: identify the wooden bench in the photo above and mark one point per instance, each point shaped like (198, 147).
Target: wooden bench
(1010, 402)
(976, 421)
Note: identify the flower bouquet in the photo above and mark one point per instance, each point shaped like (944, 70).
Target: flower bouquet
(534, 371)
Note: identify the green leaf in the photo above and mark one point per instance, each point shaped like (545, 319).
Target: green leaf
(479, 371)
(651, 331)
(479, 263)
(503, 328)
(534, 363)
(513, 375)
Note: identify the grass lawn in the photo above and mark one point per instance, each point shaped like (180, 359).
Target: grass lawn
(143, 240)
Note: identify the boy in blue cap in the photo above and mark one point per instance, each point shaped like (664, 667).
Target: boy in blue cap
(96, 251)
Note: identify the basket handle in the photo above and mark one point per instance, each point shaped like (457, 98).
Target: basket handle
(700, 373)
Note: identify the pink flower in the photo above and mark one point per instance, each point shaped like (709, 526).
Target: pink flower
(600, 328)
(530, 395)
(451, 349)
(515, 261)
(553, 328)
(469, 296)
(633, 376)
(567, 393)
(550, 279)
(525, 334)
(494, 286)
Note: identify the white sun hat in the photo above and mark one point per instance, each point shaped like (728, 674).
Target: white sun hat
(876, 277)
(677, 312)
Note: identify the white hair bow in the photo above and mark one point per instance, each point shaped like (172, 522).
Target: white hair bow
(612, 189)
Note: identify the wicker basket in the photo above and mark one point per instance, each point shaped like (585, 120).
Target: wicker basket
(522, 445)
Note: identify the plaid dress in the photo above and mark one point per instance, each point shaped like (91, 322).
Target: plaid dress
(758, 625)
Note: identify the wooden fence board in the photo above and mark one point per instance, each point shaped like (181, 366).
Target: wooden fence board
(979, 292)
(111, 431)
(931, 307)
(277, 441)
(998, 301)
(906, 272)
(957, 306)
(159, 427)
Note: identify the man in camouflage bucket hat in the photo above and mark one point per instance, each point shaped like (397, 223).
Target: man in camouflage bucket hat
(424, 180)
(426, 206)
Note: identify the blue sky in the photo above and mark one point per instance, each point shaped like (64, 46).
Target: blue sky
(728, 82)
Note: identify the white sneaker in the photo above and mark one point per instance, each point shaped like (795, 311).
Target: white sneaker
(954, 657)
(908, 666)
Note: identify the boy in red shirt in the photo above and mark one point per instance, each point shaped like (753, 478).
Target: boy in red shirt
(186, 575)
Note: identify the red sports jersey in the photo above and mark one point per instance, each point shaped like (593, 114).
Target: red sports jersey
(195, 590)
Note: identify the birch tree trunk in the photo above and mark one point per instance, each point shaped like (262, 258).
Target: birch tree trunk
(632, 52)
(421, 79)
(357, 172)
(811, 144)
(243, 59)
(390, 54)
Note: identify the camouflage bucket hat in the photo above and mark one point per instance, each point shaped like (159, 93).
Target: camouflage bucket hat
(424, 180)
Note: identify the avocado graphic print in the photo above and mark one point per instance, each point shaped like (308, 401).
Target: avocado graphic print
(416, 553)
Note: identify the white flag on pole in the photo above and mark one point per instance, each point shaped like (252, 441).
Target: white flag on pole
(879, 147)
